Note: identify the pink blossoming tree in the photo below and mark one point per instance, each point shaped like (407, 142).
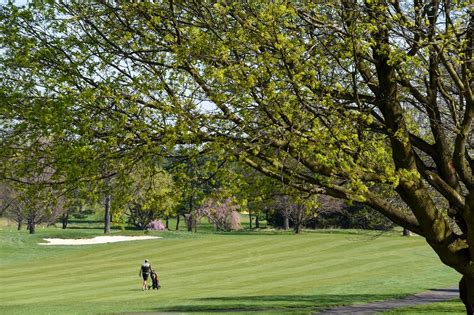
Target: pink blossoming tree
(222, 213)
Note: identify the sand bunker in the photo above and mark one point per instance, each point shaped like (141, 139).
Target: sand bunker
(95, 240)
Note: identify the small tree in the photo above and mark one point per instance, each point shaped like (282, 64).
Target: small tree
(149, 195)
(296, 210)
(156, 225)
(33, 205)
(222, 213)
(9, 207)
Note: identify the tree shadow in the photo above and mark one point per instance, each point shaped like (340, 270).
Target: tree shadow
(446, 290)
(84, 228)
(77, 221)
(277, 304)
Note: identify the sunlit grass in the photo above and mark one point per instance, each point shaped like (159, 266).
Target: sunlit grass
(259, 272)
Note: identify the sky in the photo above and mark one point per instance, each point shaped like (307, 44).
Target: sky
(17, 2)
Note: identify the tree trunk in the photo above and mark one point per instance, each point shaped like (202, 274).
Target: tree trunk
(257, 222)
(406, 232)
(31, 226)
(250, 218)
(189, 221)
(190, 218)
(286, 223)
(167, 221)
(466, 293)
(19, 225)
(107, 214)
(177, 222)
(297, 228)
(65, 220)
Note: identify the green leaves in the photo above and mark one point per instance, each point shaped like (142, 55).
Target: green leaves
(321, 96)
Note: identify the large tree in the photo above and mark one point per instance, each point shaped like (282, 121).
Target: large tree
(332, 97)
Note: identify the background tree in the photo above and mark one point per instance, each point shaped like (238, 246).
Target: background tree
(253, 190)
(9, 206)
(34, 205)
(197, 172)
(150, 195)
(222, 213)
(296, 209)
(73, 205)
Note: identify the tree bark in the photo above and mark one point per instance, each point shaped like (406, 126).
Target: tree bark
(65, 220)
(406, 232)
(107, 214)
(250, 218)
(31, 226)
(466, 293)
(297, 228)
(257, 222)
(189, 221)
(286, 223)
(177, 222)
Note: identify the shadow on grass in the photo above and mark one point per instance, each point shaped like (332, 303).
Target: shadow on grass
(278, 304)
(254, 232)
(445, 290)
(78, 221)
(84, 228)
(450, 307)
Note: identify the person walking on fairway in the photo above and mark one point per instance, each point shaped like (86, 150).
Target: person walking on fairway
(145, 271)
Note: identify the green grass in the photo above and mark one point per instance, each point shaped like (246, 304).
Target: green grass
(256, 272)
(449, 307)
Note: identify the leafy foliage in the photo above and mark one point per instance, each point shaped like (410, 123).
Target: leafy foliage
(149, 195)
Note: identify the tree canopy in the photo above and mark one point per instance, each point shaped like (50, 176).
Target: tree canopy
(334, 97)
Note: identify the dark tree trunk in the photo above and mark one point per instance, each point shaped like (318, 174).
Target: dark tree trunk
(31, 226)
(466, 293)
(65, 220)
(250, 218)
(257, 222)
(107, 214)
(190, 217)
(167, 221)
(189, 221)
(19, 225)
(177, 222)
(297, 228)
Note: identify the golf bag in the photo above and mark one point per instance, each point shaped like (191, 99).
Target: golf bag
(155, 283)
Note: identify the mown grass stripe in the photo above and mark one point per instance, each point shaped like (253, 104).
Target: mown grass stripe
(214, 271)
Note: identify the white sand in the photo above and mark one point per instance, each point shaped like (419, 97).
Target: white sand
(95, 240)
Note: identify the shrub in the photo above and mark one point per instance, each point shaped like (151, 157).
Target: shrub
(156, 225)
(355, 216)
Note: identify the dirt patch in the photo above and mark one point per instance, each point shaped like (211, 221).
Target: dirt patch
(95, 240)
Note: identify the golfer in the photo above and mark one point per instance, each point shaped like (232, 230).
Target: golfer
(145, 271)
